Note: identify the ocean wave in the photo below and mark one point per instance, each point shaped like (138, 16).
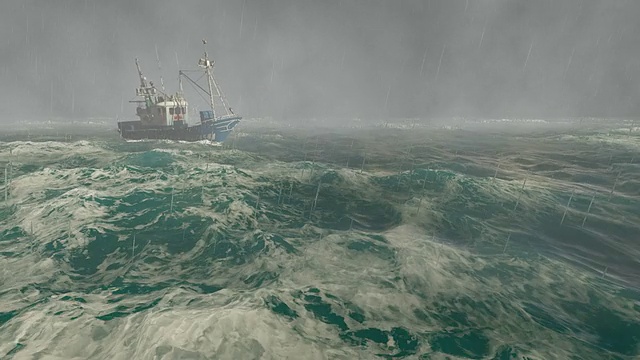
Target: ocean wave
(358, 248)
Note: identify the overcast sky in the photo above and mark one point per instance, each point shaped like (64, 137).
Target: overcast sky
(347, 58)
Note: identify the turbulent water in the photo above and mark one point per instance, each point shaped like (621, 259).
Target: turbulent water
(493, 240)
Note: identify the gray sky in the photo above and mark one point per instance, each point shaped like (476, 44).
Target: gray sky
(347, 58)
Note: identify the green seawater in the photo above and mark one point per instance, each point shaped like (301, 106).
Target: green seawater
(484, 242)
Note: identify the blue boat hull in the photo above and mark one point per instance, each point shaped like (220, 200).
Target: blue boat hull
(217, 130)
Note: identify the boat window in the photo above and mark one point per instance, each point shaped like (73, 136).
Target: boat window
(171, 111)
(183, 110)
(178, 111)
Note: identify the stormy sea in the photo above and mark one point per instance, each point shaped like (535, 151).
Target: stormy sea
(339, 239)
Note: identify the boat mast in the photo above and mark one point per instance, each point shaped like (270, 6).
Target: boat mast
(208, 65)
(143, 82)
(180, 83)
(144, 90)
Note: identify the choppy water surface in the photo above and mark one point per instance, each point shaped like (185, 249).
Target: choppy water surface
(482, 241)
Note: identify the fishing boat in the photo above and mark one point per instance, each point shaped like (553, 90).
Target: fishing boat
(165, 116)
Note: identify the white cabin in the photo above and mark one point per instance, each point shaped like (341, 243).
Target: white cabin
(172, 111)
(165, 112)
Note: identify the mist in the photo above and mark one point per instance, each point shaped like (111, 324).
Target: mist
(300, 59)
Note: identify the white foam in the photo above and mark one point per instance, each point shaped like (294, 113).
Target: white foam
(413, 272)
(233, 330)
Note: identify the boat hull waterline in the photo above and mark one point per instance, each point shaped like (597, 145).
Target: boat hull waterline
(217, 130)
